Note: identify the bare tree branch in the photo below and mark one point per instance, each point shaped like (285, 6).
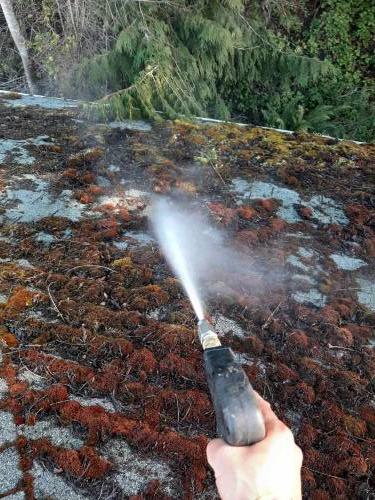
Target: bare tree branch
(19, 42)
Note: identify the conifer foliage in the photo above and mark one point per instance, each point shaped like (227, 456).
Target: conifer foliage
(281, 63)
(191, 58)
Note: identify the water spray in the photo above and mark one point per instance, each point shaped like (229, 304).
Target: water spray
(238, 419)
(169, 231)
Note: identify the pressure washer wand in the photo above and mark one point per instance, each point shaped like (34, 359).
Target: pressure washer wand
(239, 421)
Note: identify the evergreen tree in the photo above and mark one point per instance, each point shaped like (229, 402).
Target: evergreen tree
(292, 65)
(192, 60)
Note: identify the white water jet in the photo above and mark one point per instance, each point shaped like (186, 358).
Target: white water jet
(173, 236)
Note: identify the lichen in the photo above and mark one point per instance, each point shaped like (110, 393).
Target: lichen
(36, 203)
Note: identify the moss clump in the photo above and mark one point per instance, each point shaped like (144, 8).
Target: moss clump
(21, 299)
(87, 156)
(124, 264)
(7, 338)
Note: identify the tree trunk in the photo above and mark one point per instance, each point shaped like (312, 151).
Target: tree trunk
(19, 42)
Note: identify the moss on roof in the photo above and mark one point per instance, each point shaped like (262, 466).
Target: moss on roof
(107, 338)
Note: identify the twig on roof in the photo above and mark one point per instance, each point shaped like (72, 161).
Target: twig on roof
(266, 323)
(53, 302)
(91, 265)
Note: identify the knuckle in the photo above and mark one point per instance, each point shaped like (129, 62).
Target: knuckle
(267, 405)
(286, 433)
(213, 448)
(264, 402)
(218, 449)
(299, 454)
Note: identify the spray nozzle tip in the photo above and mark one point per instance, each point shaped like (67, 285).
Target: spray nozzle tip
(207, 334)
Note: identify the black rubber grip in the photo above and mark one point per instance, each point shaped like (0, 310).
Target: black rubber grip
(239, 421)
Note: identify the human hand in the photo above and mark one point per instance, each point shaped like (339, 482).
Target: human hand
(270, 469)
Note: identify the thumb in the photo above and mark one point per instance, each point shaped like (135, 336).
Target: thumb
(223, 458)
(213, 451)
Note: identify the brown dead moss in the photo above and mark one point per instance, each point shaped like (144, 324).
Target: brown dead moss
(85, 157)
(54, 224)
(147, 297)
(345, 307)
(88, 178)
(222, 213)
(20, 299)
(143, 360)
(255, 346)
(354, 426)
(361, 333)
(329, 315)
(17, 388)
(343, 337)
(269, 205)
(82, 463)
(369, 245)
(310, 371)
(107, 229)
(61, 369)
(356, 466)
(368, 415)
(123, 215)
(193, 405)
(22, 448)
(98, 318)
(246, 212)
(170, 338)
(284, 373)
(314, 459)
(174, 365)
(247, 238)
(7, 338)
(277, 225)
(298, 340)
(320, 494)
(307, 435)
(308, 481)
(304, 392)
(138, 434)
(83, 197)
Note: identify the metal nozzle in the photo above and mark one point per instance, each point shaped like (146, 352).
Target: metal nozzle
(207, 336)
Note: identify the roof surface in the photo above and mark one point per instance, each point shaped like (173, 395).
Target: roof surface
(102, 390)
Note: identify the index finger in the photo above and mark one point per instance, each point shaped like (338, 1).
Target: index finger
(269, 417)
